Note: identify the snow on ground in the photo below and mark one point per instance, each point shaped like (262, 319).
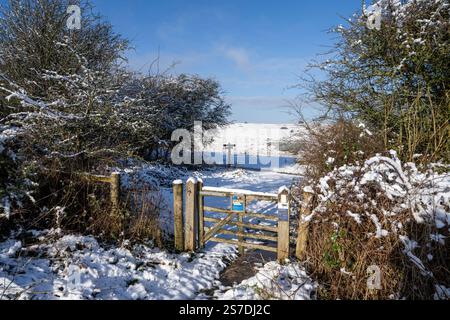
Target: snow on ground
(273, 282)
(77, 267)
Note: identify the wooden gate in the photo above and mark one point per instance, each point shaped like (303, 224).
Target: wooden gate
(234, 224)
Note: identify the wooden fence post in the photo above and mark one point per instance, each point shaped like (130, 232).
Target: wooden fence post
(241, 239)
(201, 226)
(190, 224)
(303, 226)
(115, 192)
(283, 224)
(178, 214)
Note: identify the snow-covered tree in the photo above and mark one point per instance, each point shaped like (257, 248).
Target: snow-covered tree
(165, 103)
(72, 104)
(394, 75)
(57, 91)
(58, 83)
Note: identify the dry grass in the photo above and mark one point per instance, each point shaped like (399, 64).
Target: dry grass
(137, 220)
(72, 204)
(340, 250)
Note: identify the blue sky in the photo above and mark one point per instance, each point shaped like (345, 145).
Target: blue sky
(255, 49)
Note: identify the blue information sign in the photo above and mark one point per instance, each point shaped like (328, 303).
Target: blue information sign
(238, 204)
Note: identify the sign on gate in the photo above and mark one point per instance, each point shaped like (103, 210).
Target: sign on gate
(238, 203)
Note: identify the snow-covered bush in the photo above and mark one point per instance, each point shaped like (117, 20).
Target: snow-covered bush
(395, 78)
(384, 214)
(162, 103)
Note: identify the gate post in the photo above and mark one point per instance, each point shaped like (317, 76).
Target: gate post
(302, 233)
(201, 227)
(283, 224)
(115, 192)
(241, 220)
(178, 214)
(191, 221)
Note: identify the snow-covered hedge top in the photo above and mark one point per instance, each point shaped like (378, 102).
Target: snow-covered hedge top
(427, 194)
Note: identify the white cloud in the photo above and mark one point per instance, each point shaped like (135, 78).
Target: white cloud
(239, 56)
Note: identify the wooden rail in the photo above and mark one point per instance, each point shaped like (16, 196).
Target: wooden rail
(247, 213)
(245, 244)
(222, 193)
(245, 225)
(248, 235)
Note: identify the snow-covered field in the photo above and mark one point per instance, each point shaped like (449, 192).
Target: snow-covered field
(252, 145)
(252, 138)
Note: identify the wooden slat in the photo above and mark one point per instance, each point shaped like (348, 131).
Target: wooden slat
(247, 235)
(251, 195)
(262, 216)
(209, 219)
(245, 244)
(261, 198)
(245, 225)
(256, 226)
(241, 229)
(190, 222)
(247, 213)
(303, 226)
(213, 194)
(201, 229)
(217, 227)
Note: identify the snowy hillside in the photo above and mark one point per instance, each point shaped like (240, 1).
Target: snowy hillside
(252, 138)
